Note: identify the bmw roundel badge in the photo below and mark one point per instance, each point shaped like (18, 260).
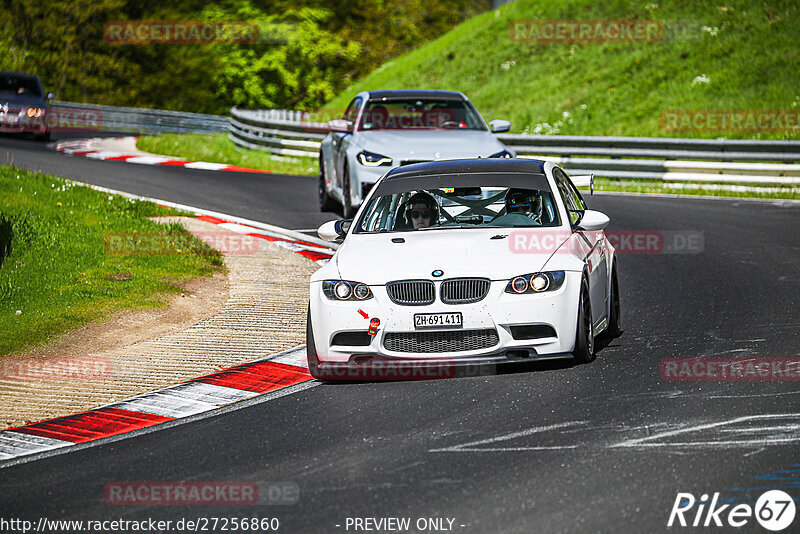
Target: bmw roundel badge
(437, 273)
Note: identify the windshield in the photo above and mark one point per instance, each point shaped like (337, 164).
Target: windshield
(444, 208)
(420, 114)
(19, 85)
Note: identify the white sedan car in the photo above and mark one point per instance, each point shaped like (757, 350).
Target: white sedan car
(462, 262)
(385, 129)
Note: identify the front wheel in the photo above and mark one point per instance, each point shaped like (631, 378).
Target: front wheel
(311, 349)
(614, 329)
(584, 335)
(347, 208)
(326, 203)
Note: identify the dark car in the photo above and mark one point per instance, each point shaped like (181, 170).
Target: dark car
(23, 104)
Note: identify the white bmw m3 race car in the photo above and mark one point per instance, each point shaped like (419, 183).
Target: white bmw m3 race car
(463, 262)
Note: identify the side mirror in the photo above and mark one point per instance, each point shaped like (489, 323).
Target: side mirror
(334, 231)
(50, 96)
(593, 221)
(499, 126)
(340, 125)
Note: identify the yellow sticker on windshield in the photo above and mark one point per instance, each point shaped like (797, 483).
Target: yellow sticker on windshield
(449, 189)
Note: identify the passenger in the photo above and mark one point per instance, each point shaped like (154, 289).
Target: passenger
(422, 211)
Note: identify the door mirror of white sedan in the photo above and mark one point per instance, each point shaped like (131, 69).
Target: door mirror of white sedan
(593, 221)
(340, 125)
(499, 126)
(334, 231)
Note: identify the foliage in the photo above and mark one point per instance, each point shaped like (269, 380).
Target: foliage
(63, 42)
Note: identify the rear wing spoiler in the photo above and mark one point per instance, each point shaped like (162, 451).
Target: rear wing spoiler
(584, 180)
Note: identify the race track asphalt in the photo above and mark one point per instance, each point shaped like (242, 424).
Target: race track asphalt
(554, 448)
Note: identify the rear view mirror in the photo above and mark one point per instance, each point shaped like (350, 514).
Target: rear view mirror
(50, 96)
(462, 191)
(467, 191)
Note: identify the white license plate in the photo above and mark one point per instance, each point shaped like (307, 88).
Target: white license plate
(438, 320)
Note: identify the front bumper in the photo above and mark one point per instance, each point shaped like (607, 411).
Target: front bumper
(14, 122)
(375, 367)
(363, 178)
(498, 312)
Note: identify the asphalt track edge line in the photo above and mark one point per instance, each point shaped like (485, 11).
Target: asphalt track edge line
(222, 410)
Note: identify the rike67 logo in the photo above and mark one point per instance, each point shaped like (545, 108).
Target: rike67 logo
(774, 510)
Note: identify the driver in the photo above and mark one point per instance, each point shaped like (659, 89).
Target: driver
(523, 208)
(422, 211)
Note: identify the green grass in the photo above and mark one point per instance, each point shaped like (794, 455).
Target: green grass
(55, 271)
(217, 148)
(611, 88)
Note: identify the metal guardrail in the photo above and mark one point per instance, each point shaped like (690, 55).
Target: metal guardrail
(143, 120)
(694, 160)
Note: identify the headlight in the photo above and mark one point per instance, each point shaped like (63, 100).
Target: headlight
(370, 159)
(502, 154)
(35, 112)
(536, 282)
(346, 290)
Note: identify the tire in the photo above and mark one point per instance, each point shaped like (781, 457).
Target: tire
(584, 333)
(311, 349)
(614, 329)
(44, 137)
(348, 211)
(326, 203)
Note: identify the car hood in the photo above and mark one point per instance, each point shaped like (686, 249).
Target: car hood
(430, 145)
(16, 101)
(375, 260)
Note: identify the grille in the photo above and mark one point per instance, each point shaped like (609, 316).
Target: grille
(411, 292)
(464, 290)
(442, 341)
